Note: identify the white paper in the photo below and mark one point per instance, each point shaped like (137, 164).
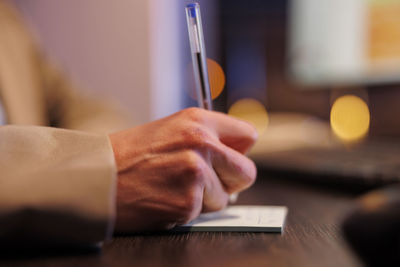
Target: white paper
(239, 219)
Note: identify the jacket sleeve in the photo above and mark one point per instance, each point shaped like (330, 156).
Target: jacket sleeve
(64, 105)
(57, 187)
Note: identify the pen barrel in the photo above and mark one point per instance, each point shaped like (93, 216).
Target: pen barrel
(199, 58)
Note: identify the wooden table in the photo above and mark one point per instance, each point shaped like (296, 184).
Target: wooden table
(311, 237)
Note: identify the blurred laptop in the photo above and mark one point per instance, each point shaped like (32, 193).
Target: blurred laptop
(306, 148)
(336, 43)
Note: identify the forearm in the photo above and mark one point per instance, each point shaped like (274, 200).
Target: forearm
(56, 186)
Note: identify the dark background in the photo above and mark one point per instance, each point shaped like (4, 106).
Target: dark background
(253, 43)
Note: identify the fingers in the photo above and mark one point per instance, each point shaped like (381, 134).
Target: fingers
(172, 169)
(217, 171)
(215, 197)
(235, 133)
(197, 182)
(236, 171)
(223, 140)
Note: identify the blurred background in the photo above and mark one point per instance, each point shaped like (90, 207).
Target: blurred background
(288, 56)
(132, 51)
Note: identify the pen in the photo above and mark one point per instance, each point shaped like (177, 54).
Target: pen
(199, 59)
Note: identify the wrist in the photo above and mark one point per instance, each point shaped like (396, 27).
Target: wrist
(116, 151)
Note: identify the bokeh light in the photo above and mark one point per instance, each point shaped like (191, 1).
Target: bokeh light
(374, 201)
(216, 76)
(350, 118)
(252, 111)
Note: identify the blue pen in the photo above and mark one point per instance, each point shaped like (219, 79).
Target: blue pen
(199, 60)
(199, 57)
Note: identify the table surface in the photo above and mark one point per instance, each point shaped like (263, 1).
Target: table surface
(311, 237)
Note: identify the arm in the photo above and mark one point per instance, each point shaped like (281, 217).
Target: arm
(56, 186)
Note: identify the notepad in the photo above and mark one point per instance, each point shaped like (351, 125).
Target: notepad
(239, 219)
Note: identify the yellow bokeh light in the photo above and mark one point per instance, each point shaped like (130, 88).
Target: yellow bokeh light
(350, 118)
(216, 77)
(252, 111)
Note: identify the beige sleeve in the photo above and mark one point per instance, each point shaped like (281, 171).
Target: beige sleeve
(64, 105)
(57, 187)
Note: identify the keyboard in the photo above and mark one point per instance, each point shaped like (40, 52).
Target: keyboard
(370, 165)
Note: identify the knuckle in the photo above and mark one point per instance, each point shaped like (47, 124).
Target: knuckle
(252, 175)
(192, 202)
(243, 177)
(194, 167)
(196, 136)
(194, 114)
(247, 178)
(190, 208)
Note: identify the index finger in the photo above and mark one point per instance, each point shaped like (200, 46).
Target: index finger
(235, 133)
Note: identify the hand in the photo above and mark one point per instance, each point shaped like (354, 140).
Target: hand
(172, 169)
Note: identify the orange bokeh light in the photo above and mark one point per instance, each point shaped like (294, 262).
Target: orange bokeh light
(216, 77)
